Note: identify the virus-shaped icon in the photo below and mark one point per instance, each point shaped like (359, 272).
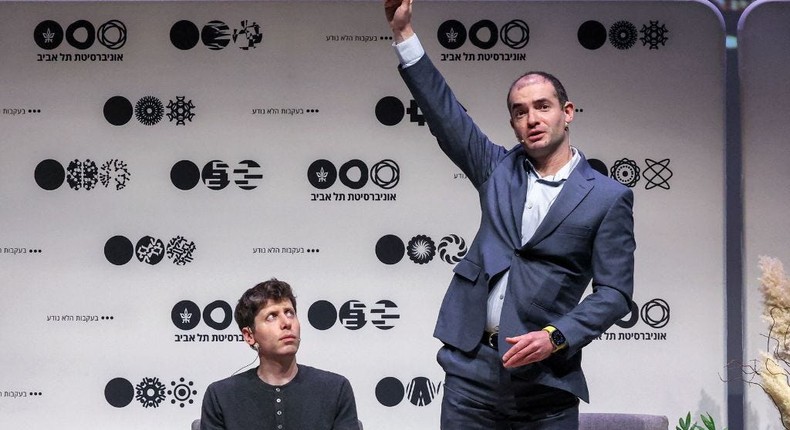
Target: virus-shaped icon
(455, 243)
(653, 35)
(251, 32)
(626, 172)
(421, 249)
(180, 250)
(180, 110)
(182, 392)
(150, 250)
(116, 171)
(150, 392)
(149, 110)
(82, 175)
(623, 35)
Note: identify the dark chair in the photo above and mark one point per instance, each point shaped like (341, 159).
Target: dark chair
(196, 425)
(603, 421)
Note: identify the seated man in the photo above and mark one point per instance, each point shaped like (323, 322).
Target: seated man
(279, 394)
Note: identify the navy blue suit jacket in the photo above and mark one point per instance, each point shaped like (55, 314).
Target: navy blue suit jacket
(586, 235)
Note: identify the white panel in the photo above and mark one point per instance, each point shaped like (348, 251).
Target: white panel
(660, 108)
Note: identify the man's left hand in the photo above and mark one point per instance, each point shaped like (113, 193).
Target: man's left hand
(527, 348)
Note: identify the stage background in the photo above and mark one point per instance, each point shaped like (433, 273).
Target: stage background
(191, 150)
(764, 53)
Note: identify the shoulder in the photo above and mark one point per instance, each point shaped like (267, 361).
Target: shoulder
(319, 376)
(232, 383)
(603, 183)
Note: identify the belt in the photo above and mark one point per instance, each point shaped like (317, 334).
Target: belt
(490, 339)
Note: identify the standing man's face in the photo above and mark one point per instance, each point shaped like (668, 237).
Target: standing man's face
(277, 330)
(537, 117)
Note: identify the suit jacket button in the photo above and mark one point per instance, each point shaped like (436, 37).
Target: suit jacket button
(485, 276)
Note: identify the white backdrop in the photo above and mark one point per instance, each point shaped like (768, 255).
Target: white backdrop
(764, 54)
(93, 337)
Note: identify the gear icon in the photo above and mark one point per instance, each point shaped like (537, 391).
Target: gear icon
(653, 35)
(626, 172)
(149, 110)
(622, 35)
(180, 110)
(421, 249)
(150, 392)
(182, 392)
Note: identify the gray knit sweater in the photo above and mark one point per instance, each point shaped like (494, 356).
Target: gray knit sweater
(314, 400)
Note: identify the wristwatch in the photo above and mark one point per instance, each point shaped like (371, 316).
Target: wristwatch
(556, 337)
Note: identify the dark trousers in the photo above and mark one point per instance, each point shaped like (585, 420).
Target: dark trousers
(479, 393)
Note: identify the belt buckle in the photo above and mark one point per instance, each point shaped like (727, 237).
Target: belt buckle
(493, 340)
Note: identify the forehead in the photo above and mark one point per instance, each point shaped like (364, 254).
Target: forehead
(271, 305)
(533, 87)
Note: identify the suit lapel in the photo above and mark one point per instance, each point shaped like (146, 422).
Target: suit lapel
(575, 189)
(518, 193)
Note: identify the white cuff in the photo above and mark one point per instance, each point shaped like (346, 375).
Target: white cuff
(409, 51)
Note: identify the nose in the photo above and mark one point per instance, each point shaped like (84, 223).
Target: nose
(532, 119)
(285, 322)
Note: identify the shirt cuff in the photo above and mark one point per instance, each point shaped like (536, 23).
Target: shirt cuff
(409, 51)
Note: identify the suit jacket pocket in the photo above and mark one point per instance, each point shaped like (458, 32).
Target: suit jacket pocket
(467, 270)
(574, 230)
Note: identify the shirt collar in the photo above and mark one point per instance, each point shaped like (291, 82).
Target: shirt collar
(561, 175)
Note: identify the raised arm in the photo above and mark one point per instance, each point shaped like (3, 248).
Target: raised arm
(399, 18)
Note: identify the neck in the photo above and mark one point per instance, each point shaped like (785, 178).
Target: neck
(279, 371)
(551, 163)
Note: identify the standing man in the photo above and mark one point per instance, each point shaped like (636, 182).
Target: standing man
(279, 394)
(513, 321)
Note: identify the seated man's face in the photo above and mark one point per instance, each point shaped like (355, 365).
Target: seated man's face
(277, 329)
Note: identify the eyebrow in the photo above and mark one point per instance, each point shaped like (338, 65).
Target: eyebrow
(534, 102)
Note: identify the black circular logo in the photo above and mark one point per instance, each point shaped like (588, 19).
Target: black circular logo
(322, 315)
(112, 34)
(185, 175)
(118, 250)
(623, 35)
(489, 31)
(592, 34)
(451, 34)
(390, 249)
(150, 250)
(119, 392)
(390, 391)
(355, 181)
(216, 35)
(215, 174)
(655, 313)
(149, 110)
(185, 315)
(390, 111)
(515, 34)
(50, 174)
(81, 34)
(48, 34)
(184, 35)
(118, 110)
(322, 174)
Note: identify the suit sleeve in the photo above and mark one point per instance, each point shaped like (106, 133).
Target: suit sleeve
(458, 136)
(612, 277)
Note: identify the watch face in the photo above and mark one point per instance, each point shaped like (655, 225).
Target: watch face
(557, 338)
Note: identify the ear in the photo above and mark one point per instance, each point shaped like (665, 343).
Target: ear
(569, 109)
(246, 332)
